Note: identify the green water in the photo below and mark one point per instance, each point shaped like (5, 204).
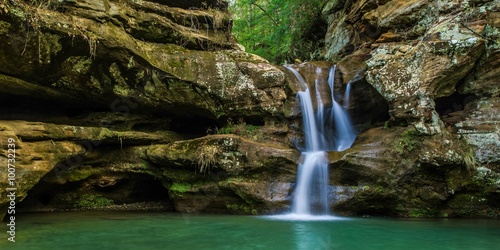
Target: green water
(127, 230)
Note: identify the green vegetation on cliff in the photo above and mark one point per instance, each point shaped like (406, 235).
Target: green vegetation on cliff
(93, 201)
(279, 30)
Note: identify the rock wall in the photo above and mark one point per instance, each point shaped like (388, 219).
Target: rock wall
(102, 98)
(434, 63)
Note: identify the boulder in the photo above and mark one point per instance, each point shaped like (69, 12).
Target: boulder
(226, 173)
(397, 172)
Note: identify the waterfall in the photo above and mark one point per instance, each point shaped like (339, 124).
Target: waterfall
(347, 95)
(327, 129)
(344, 134)
(298, 76)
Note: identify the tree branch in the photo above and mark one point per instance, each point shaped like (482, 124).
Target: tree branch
(267, 14)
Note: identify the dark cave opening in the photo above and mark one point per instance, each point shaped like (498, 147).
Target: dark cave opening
(45, 110)
(81, 112)
(367, 108)
(254, 120)
(192, 126)
(158, 124)
(453, 103)
(122, 189)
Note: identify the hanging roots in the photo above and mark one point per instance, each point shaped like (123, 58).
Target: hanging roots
(207, 157)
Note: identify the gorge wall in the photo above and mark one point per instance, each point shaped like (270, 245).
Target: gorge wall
(125, 104)
(436, 64)
(120, 102)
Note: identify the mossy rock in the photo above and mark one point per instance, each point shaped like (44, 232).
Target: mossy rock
(371, 200)
(91, 201)
(241, 208)
(408, 142)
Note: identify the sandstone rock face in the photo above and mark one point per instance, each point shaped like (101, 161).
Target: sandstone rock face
(479, 127)
(31, 159)
(482, 80)
(97, 83)
(435, 64)
(65, 154)
(397, 172)
(421, 50)
(429, 69)
(233, 173)
(138, 52)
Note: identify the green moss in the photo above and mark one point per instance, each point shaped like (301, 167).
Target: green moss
(175, 63)
(67, 197)
(386, 125)
(408, 141)
(235, 179)
(4, 27)
(76, 174)
(180, 187)
(79, 175)
(180, 175)
(486, 180)
(93, 201)
(19, 13)
(81, 65)
(251, 128)
(241, 208)
(242, 129)
(464, 204)
(417, 213)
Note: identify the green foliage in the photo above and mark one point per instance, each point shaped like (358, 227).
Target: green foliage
(180, 187)
(386, 125)
(241, 129)
(417, 213)
(241, 208)
(279, 30)
(93, 201)
(407, 142)
(250, 128)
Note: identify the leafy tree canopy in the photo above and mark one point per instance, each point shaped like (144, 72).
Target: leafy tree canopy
(279, 30)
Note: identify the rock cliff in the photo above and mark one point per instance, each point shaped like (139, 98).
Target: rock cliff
(120, 102)
(434, 63)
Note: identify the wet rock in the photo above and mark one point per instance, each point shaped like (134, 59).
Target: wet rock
(60, 154)
(417, 51)
(118, 103)
(397, 172)
(95, 80)
(430, 69)
(32, 160)
(168, 65)
(397, 13)
(482, 80)
(479, 127)
(226, 173)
